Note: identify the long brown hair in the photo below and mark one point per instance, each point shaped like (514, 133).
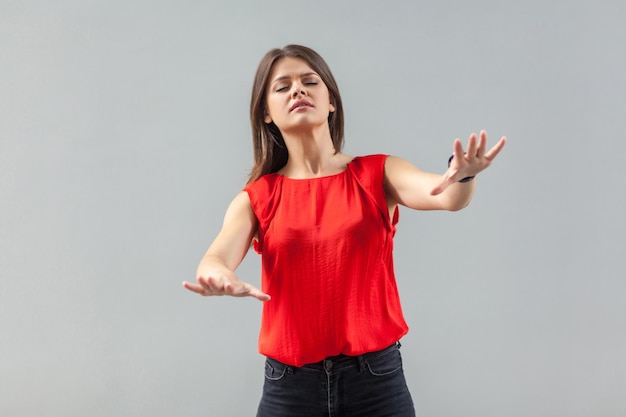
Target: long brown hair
(270, 151)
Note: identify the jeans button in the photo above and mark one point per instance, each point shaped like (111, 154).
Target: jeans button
(328, 365)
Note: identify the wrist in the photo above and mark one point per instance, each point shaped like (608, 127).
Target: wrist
(464, 180)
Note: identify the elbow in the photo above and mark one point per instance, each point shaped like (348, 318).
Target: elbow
(459, 207)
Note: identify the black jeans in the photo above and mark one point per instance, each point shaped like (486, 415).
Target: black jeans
(369, 385)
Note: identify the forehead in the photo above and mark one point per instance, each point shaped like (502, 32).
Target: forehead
(289, 66)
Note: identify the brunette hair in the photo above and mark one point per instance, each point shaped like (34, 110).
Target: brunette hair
(270, 151)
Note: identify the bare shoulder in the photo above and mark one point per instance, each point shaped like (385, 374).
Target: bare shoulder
(242, 198)
(408, 185)
(393, 160)
(395, 165)
(240, 207)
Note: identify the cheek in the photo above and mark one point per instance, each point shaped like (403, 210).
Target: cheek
(273, 105)
(273, 111)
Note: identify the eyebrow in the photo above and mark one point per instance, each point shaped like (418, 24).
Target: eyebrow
(304, 74)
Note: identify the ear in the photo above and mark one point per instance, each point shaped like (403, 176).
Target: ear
(331, 108)
(267, 119)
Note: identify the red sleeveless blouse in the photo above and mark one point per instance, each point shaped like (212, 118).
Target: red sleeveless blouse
(326, 246)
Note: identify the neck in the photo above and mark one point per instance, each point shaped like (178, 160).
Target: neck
(311, 154)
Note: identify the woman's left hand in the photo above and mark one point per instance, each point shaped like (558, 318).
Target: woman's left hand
(469, 163)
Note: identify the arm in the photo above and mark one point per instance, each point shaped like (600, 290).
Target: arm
(215, 274)
(407, 185)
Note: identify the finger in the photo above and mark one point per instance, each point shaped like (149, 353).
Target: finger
(457, 148)
(259, 295)
(471, 147)
(482, 144)
(211, 285)
(243, 289)
(198, 289)
(493, 152)
(441, 187)
(236, 289)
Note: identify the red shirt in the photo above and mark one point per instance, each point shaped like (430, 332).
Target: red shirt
(326, 246)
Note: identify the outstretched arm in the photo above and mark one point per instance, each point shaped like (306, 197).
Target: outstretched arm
(215, 274)
(407, 185)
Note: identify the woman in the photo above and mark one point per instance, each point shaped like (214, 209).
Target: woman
(324, 223)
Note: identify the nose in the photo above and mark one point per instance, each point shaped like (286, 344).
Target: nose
(298, 90)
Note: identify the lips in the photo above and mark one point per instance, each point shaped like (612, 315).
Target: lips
(300, 103)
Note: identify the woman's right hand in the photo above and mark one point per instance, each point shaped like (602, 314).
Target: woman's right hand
(215, 274)
(216, 279)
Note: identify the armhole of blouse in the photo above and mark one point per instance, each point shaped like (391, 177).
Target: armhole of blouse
(370, 174)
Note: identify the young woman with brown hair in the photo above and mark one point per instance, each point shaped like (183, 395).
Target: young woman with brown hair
(324, 223)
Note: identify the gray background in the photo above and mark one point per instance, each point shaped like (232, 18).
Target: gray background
(124, 135)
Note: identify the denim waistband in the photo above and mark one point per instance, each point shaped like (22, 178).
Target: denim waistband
(340, 362)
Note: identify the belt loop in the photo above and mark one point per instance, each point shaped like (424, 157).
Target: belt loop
(290, 370)
(398, 344)
(361, 359)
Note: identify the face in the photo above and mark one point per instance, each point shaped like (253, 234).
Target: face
(297, 97)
